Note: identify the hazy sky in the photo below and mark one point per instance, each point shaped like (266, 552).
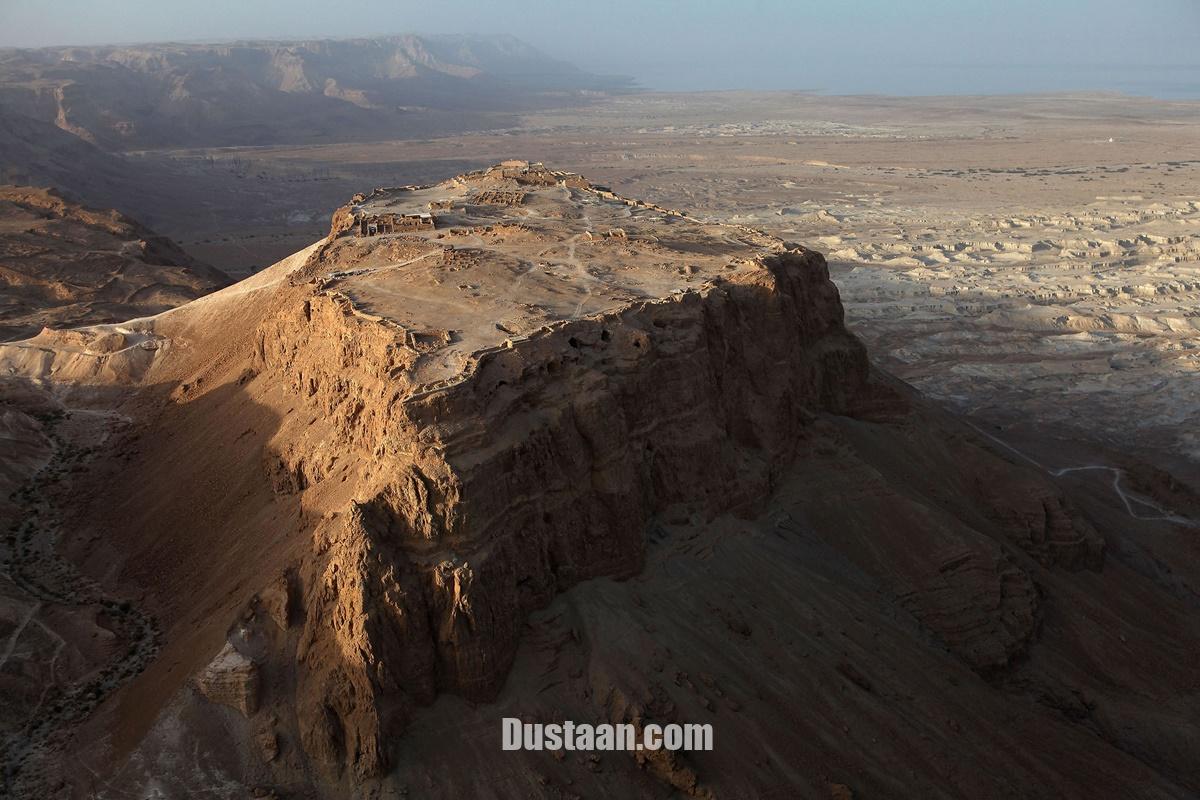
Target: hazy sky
(885, 46)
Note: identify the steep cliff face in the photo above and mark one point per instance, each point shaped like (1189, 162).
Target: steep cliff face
(541, 468)
(565, 454)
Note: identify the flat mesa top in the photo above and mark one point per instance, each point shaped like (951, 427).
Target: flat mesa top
(496, 255)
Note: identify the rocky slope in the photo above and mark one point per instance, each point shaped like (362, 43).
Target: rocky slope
(556, 453)
(62, 264)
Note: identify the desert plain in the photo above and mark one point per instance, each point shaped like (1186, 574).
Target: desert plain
(989, 579)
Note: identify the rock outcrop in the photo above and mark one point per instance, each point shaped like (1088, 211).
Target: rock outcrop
(538, 471)
(231, 679)
(406, 444)
(1037, 517)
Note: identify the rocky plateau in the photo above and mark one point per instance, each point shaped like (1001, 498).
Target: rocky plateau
(514, 444)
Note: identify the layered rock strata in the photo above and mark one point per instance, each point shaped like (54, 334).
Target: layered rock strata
(404, 443)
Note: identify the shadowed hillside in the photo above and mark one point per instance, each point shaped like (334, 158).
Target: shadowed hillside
(62, 264)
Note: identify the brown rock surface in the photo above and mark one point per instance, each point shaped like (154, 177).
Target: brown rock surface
(539, 466)
(231, 679)
(520, 469)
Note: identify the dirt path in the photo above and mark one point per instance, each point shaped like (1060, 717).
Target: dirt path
(29, 757)
(573, 260)
(16, 635)
(1132, 500)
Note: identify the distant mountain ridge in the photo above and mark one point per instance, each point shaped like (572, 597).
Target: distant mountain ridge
(285, 92)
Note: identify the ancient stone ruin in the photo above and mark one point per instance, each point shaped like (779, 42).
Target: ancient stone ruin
(499, 198)
(376, 224)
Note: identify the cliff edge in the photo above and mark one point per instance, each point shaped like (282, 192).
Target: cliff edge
(515, 444)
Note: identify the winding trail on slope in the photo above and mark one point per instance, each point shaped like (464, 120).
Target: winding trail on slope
(1129, 498)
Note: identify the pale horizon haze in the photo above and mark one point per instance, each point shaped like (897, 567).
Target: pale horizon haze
(856, 47)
